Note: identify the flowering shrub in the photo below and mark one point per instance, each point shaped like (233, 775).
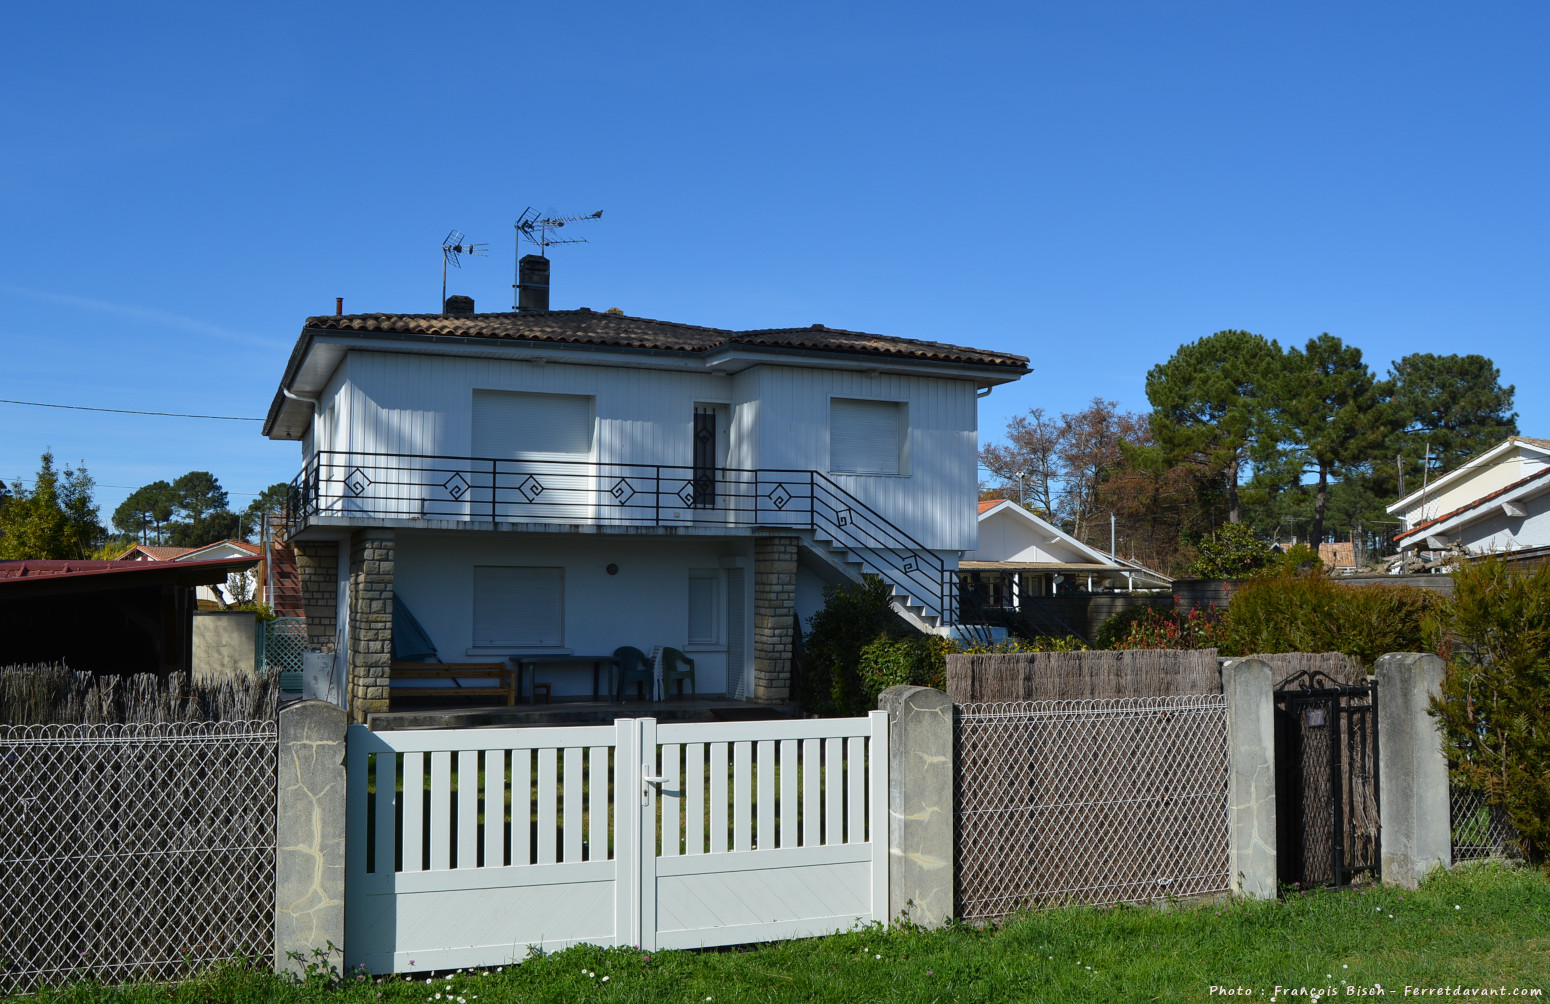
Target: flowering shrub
(1197, 628)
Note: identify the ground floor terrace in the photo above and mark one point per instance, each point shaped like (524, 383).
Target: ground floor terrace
(555, 608)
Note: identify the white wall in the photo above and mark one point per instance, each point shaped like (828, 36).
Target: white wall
(645, 604)
(416, 404)
(1501, 532)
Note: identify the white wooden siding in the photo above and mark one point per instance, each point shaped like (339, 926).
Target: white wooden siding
(417, 404)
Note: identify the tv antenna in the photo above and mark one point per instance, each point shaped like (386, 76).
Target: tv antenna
(535, 227)
(453, 245)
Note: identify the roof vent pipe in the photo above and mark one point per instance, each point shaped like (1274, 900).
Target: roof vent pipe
(532, 284)
(460, 306)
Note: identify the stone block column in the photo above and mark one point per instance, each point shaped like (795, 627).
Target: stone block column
(1251, 777)
(1412, 770)
(371, 620)
(921, 843)
(317, 566)
(309, 836)
(774, 611)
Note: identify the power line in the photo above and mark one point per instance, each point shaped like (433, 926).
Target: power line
(125, 411)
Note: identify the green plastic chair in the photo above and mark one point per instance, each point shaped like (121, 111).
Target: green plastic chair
(677, 666)
(634, 667)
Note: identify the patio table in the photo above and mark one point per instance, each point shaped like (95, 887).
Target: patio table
(526, 664)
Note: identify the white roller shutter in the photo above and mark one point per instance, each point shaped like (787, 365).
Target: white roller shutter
(510, 425)
(864, 436)
(519, 607)
(702, 608)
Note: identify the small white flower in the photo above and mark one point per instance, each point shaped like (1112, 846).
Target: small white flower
(1391, 916)
(877, 956)
(1455, 906)
(1344, 966)
(605, 979)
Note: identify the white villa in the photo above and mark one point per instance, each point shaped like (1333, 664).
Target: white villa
(1497, 503)
(566, 482)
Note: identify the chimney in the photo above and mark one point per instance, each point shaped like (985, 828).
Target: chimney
(459, 305)
(533, 284)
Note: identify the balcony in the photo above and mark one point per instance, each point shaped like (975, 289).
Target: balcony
(340, 488)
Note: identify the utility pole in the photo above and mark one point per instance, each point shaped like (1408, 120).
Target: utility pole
(1113, 543)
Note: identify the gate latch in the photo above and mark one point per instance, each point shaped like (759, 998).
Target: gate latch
(652, 779)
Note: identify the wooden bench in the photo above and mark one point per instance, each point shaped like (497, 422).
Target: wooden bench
(503, 679)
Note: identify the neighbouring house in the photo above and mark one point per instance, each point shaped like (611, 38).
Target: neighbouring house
(105, 616)
(1497, 503)
(243, 586)
(1035, 577)
(567, 482)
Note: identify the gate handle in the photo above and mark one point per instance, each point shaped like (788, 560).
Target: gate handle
(654, 779)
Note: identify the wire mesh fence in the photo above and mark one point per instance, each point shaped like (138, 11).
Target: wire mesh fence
(1478, 829)
(134, 852)
(1093, 801)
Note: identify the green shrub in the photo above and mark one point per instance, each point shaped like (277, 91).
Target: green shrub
(1310, 613)
(1495, 701)
(913, 661)
(852, 617)
(1231, 552)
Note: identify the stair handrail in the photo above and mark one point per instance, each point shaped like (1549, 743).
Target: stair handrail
(924, 583)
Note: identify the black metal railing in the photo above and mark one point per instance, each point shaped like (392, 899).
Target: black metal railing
(570, 492)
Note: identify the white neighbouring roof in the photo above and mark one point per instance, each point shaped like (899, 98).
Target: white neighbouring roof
(1013, 539)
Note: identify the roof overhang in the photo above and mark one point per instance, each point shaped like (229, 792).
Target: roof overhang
(1442, 533)
(319, 351)
(131, 575)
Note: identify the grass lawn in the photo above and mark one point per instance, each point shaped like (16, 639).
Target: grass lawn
(1480, 926)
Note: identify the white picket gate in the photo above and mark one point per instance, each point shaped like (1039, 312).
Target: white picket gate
(468, 846)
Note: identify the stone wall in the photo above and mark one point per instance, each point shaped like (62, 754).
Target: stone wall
(317, 564)
(225, 645)
(371, 621)
(774, 613)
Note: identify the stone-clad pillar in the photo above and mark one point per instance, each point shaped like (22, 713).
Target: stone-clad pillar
(309, 837)
(371, 620)
(774, 613)
(317, 566)
(1251, 778)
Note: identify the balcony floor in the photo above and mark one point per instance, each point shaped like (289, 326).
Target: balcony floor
(438, 714)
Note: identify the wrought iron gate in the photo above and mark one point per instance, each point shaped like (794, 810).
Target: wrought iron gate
(1326, 736)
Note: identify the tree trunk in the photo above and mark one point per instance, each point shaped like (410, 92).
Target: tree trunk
(1232, 491)
(1320, 499)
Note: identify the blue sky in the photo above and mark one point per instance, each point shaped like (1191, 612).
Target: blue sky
(1087, 184)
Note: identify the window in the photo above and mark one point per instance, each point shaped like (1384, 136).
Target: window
(703, 619)
(509, 425)
(866, 437)
(518, 607)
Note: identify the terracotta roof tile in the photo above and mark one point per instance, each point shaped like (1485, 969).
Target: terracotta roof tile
(157, 552)
(587, 327)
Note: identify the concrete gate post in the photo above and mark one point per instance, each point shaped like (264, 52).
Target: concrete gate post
(309, 836)
(1251, 777)
(921, 805)
(1414, 835)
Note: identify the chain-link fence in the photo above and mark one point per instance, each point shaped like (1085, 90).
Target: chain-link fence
(1479, 830)
(134, 852)
(1095, 801)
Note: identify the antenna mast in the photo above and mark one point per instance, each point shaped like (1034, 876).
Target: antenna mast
(451, 246)
(536, 227)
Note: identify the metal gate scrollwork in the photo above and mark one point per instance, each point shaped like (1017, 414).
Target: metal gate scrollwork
(1326, 737)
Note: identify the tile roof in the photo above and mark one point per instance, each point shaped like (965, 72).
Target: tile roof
(988, 504)
(588, 327)
(1482, 500)
(157, 552)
